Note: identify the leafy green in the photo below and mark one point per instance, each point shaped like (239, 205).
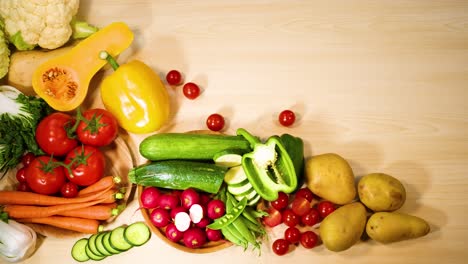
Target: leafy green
(82, 29)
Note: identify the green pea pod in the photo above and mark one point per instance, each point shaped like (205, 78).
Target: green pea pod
(244, 231)
(231, 237)
(256, 227)
(229, 217)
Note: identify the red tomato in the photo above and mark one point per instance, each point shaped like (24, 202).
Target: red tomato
(174, 77)
(69, 190)
(309, 239)
(191, 90)
(292, 234)
(273, 219)
(27, 158)
(87, 165)
(21, 175)
(97, 127)
(215, 122)
(300, 205)
(281, 202)
(311, 218)
(51, 134)
(44, 176)
(280, 246)
(290, 218)
(23, 187)
(306, 193)
(287, 118)
(325, 208)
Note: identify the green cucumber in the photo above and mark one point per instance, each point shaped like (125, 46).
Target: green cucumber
(186, 146)
(244, 190)
(100, 245)
(229, 157)
(236, 177)
(179, 175)
(117, 239)
(78, 251)
(107, 245)
(137, 234)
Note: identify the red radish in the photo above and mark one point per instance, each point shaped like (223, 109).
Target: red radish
(176, 211)
(216, 209)
(182, 221)
(173, 234)
(204, 222)
(160, 217)
(189, 197)
(149, 197)
(213, 235)
(196, 213)
(194, 237)
(204, 198)
(168, 201)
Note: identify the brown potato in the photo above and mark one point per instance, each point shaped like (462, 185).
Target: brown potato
(387, 227)
(381, 192)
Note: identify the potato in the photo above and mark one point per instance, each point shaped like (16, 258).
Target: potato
(343, 228)
(330, 177)
(387, 227)
(381, 192)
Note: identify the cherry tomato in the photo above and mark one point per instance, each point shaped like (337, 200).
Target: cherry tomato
(309, 239)
(87, 165)
(69, 190)
(27, 158)
(23, 187)
(44, 176)
(173, 77)
(300, 205)
(292, 235)
(51, 134)
(311, 218)
(273, 219)
(98, 127)
(290, 218)
(325, 208)
(215, 122)
(21, 175)
(191, 90)
(306, 193)
(281, 202)
(280, 246)
(287, 118)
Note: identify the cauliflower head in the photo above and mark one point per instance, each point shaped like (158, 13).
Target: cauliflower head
(4, 52)
(38, 22)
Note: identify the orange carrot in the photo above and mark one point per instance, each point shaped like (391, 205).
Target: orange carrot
(82, 225)
(98, 212)
(104, 183)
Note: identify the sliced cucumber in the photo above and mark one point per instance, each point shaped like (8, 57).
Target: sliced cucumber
(107, 245)
(137, 234)
(229, 157)
(249, 196)
(235, 176)
(78, 250)
(254, 200)
(92, 245)
(91, 255)
(241, 191)
(100, 244)
(117, 239)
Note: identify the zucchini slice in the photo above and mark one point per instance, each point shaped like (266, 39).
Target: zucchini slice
(137, 234)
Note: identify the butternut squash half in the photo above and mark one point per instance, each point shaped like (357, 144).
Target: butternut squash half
(64, 80)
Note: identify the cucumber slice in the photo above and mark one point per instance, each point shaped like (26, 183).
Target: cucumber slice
(137, 234)
(254, 200)
(229, 157)
(92, 245)
(107, 245)
(91, 255)
(235, 176)
(100, 244)
(242, 190)
(117, 239)
(78, 250)
(251, 195)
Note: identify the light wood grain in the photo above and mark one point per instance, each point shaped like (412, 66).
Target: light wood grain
(383, 83)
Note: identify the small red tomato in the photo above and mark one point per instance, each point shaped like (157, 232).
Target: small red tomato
(287, 118)
(69, 190)
(23, 187)
(306, 193)
(290, 218)
(97, 127)
(300, 205)
(215, 122)
(273, 219)
(311, 218)
(21, 175)
(309, 239)
(191, 90)
(325, 208)
(292, 234)
(280, 246)
(281, 202)
(27, 158)
(174, 77)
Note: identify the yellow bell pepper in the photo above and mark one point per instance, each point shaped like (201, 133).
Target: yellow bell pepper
(135, 95)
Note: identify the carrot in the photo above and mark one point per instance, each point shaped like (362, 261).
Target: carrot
(103, 183)
(82, 225)
(98, 212)
(30, 198)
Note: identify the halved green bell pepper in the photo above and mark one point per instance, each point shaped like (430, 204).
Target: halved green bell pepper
(268, 167)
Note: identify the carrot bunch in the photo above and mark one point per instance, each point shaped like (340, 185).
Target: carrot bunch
(83, 213)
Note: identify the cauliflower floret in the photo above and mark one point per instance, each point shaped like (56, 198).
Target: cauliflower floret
(38, 22)
(4, 52)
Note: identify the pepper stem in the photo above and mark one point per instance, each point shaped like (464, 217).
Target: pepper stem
(104, 55)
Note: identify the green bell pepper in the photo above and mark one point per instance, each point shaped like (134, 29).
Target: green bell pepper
(268, 167)
(295, 148)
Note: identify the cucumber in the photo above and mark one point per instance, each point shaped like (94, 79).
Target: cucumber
(251, 195)
(179, 175)
(186, 146)
(117, 239)
(91, 255)
(78, 250)
(254, 200)
(100, 245)
(107, 245)
(228, 157)
(243, 190)
(236, 177)
(92, 245)
(137, 234)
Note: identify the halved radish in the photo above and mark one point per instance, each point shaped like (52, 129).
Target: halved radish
(196, 213)
(182, 221)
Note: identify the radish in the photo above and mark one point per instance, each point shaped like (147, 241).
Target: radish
(189, 197)
(149, 197)
(168, 201)
(204, 222)
(160, 217)
(182, 221)
(213, 235)
(196, 213)
(176, 211)
(194, 238)
(216, 209)
(204, 198)
(173, 234)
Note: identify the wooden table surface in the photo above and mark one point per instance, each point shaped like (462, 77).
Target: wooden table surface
(382, 83)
